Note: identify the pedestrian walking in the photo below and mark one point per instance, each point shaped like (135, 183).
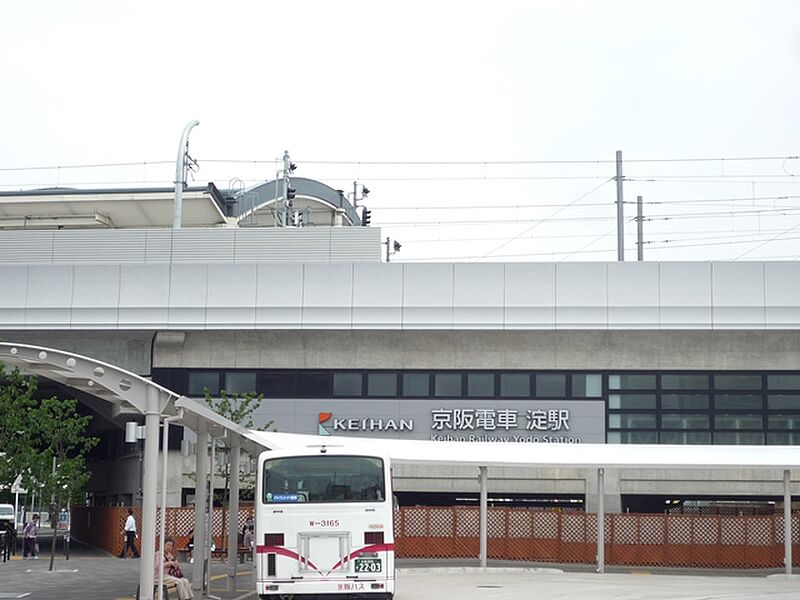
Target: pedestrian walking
(30, 534)
(129, 531)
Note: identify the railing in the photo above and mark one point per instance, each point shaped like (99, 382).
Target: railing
(701, 541)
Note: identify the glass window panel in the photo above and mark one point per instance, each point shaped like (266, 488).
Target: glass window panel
(587, 386)
(240, 382)
(613, 437)
(551, 385)
(200, 380)
(739, 437)
(783, 401)
(738, 421)
(381, 384)
(685, 437)
(638, 437)
(480, 385)
(631, 421)
(684, 382)
(632, 401)
(684, 421)
(416, 385)
(784, 421)
(632, 382)
(276, 385)
(313, 385)
(515, 385)
(447, 384)
(783, 382)
(784, 438)
(737, 382)
(347, 384)
(738, 402)
(684, 401)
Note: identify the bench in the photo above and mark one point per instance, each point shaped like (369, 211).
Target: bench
(166, 587)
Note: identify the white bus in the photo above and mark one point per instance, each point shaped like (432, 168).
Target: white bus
(324, 524)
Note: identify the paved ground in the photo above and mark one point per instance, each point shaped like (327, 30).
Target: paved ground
(94, 575)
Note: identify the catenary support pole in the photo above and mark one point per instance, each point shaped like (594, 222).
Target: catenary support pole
(233, 516)
(201, 467)
(620, 211)
(149, 494)
(180, 174)
(639, 230)
(484, 517)
(601, 521)
(787, 520)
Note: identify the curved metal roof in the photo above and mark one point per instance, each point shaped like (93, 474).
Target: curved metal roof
(264, 194)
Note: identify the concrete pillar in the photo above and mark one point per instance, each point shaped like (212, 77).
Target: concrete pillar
(787, 520)
(484, 517)
(612, 495)
(149, 494)
(601, 522)
(233, 517)
(201, 468)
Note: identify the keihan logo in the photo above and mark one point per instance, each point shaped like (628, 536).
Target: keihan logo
(325, 416)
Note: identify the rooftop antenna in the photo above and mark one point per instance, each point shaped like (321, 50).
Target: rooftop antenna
(182, 165)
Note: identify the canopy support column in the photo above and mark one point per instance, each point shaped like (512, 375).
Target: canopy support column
(233, 512)
(201, 467)
(601, 521)
(484, 517)
(149, 494)
(787, 520)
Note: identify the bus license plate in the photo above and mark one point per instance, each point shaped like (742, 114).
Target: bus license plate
(368, 565)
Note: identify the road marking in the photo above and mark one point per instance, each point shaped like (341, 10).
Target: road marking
(14, 594)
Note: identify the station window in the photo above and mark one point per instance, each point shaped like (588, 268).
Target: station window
(631, 382)
(347, 384)
(737, 382)
(632, 437)
(632, 421)
(277, 384)
(783, 382)
(684, 401)
(784, 438)
(314, 384)
(587, 386)
(515, 385)
(739, 437)
(780, 421)
(416, 385)
(447, 384)
(783, 401)
(684, 421)
(551, 385)
(738, 421)
(684, 382)
(199, 381)
(239, 382)
(632, 401)
(685, 437)
(480, 385)
(381, 384)
(738, 402)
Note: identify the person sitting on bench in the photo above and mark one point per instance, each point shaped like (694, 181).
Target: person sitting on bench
(172, 571)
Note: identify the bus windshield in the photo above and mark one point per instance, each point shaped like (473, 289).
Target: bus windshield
(323, 478)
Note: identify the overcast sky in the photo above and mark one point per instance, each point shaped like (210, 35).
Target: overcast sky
(401, 82)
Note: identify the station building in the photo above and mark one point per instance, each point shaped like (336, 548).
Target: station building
(342, 344)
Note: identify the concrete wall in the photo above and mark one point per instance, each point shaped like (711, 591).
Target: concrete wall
(589, 350)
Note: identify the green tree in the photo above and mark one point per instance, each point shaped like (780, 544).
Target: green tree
(238, 408)
(45, 442)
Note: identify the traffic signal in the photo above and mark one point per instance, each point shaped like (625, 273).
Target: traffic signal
(290, 193)
(366, 215)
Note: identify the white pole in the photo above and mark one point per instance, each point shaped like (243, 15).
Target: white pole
(162, 532)
(233, 510)
(484, 517)
(601, 522)
(149, 495)
(180, 174)
(210, 510)
(198, 553)
(787, 520)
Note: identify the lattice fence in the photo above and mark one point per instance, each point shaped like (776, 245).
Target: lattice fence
(709, 541)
